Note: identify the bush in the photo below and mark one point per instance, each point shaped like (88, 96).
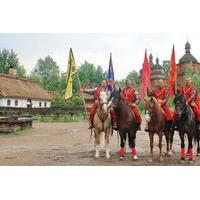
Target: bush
(74, 102)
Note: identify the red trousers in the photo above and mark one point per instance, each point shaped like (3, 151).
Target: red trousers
(93, 111)
(137, 114)
(196, 111)
(168, 112)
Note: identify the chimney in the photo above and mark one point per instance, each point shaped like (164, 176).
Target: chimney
(12, 71)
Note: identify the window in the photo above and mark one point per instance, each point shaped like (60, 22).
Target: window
(45, 104)
(40, 104)
(8, 102)
(16, 103)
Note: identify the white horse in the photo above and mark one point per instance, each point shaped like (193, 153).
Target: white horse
(102, 123)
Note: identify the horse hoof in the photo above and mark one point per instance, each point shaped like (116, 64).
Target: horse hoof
(198, 154)
(161, 159)
(182, 160)
(191, 161)
(150, 160)
(96, 156)
(170, 153)
(121, 158)
(135, 157)
(107, 157)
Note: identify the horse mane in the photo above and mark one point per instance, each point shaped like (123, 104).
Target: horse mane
(156, 105)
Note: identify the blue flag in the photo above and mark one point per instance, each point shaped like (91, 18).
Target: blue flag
(110, 74)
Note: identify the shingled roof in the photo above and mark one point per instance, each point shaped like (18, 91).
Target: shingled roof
(187, 57)
(14, 87)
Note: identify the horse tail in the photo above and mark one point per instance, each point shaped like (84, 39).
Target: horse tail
(196, 136)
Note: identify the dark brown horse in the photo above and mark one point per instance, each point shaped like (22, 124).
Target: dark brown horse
(185, 122)
(155, 117)
(127, 124)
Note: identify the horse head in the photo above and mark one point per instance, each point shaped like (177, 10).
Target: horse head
(180, 105)
(103, 101)
(150, 107)
(115, 97)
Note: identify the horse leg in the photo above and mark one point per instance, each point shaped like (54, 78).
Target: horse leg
(171, 142)
(167, 137)
(151, 147)
(122, 144)
(160, 146)
(182, 146)
(198, 147)
(131, 137)
(107, 135)
(190, 146)
(97, 142)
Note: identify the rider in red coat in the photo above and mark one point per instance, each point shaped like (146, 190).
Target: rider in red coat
(129, 93)
(96, 93)
(161, 94)
(191, 96)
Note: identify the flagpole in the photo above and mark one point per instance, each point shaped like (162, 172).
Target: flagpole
(79, 82)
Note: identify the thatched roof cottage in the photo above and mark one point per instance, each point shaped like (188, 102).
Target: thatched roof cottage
(22, 92)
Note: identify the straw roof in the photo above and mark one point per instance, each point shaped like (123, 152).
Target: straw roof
(14, 87)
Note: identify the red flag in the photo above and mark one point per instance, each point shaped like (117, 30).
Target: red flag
(172, 74)
(145, 77)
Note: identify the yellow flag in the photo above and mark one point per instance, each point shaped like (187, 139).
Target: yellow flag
(70, 72)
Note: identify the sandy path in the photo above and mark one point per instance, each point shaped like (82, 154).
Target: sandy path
(68, 144)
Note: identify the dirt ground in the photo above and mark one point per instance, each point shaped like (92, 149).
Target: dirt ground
(68, 144)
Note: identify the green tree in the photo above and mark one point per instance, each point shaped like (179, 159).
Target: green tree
(21, 72)
(87, 73)
(134, 77)
(10, 59)
(99, 75)
(46, 73)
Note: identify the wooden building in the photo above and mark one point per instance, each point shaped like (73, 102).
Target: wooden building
(22, 92)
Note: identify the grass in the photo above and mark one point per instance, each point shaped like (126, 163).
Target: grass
(17, 132)
(60, 118)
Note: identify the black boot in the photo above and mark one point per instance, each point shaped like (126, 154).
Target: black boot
(138, 127)
(90, 126)
(169, 125)
(198, 126)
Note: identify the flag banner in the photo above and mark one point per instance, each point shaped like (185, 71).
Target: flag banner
(145, 77)
(110, 74)
(172, 74)
(70, 72)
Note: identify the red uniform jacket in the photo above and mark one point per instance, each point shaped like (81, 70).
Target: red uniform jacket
(97, 92)
(190, 93)
(129, 94)
(161, 93)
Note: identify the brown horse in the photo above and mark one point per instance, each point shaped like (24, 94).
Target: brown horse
(185, 122)
(155, 117)
(102, 123)
(127, 124)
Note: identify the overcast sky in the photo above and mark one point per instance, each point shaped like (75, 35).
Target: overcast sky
(127, 49)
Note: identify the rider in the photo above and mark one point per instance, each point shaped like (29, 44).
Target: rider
(96, 93)
(160, 92)
(130, 94)
(191, 96)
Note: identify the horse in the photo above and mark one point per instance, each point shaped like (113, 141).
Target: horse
(155, 117)
(185, 122)
(127, 124)
(102, 123)
(197, 140)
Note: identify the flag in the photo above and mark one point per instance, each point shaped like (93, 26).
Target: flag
(70, 72)
(172, 74)
(110, 74)
(145, 77)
